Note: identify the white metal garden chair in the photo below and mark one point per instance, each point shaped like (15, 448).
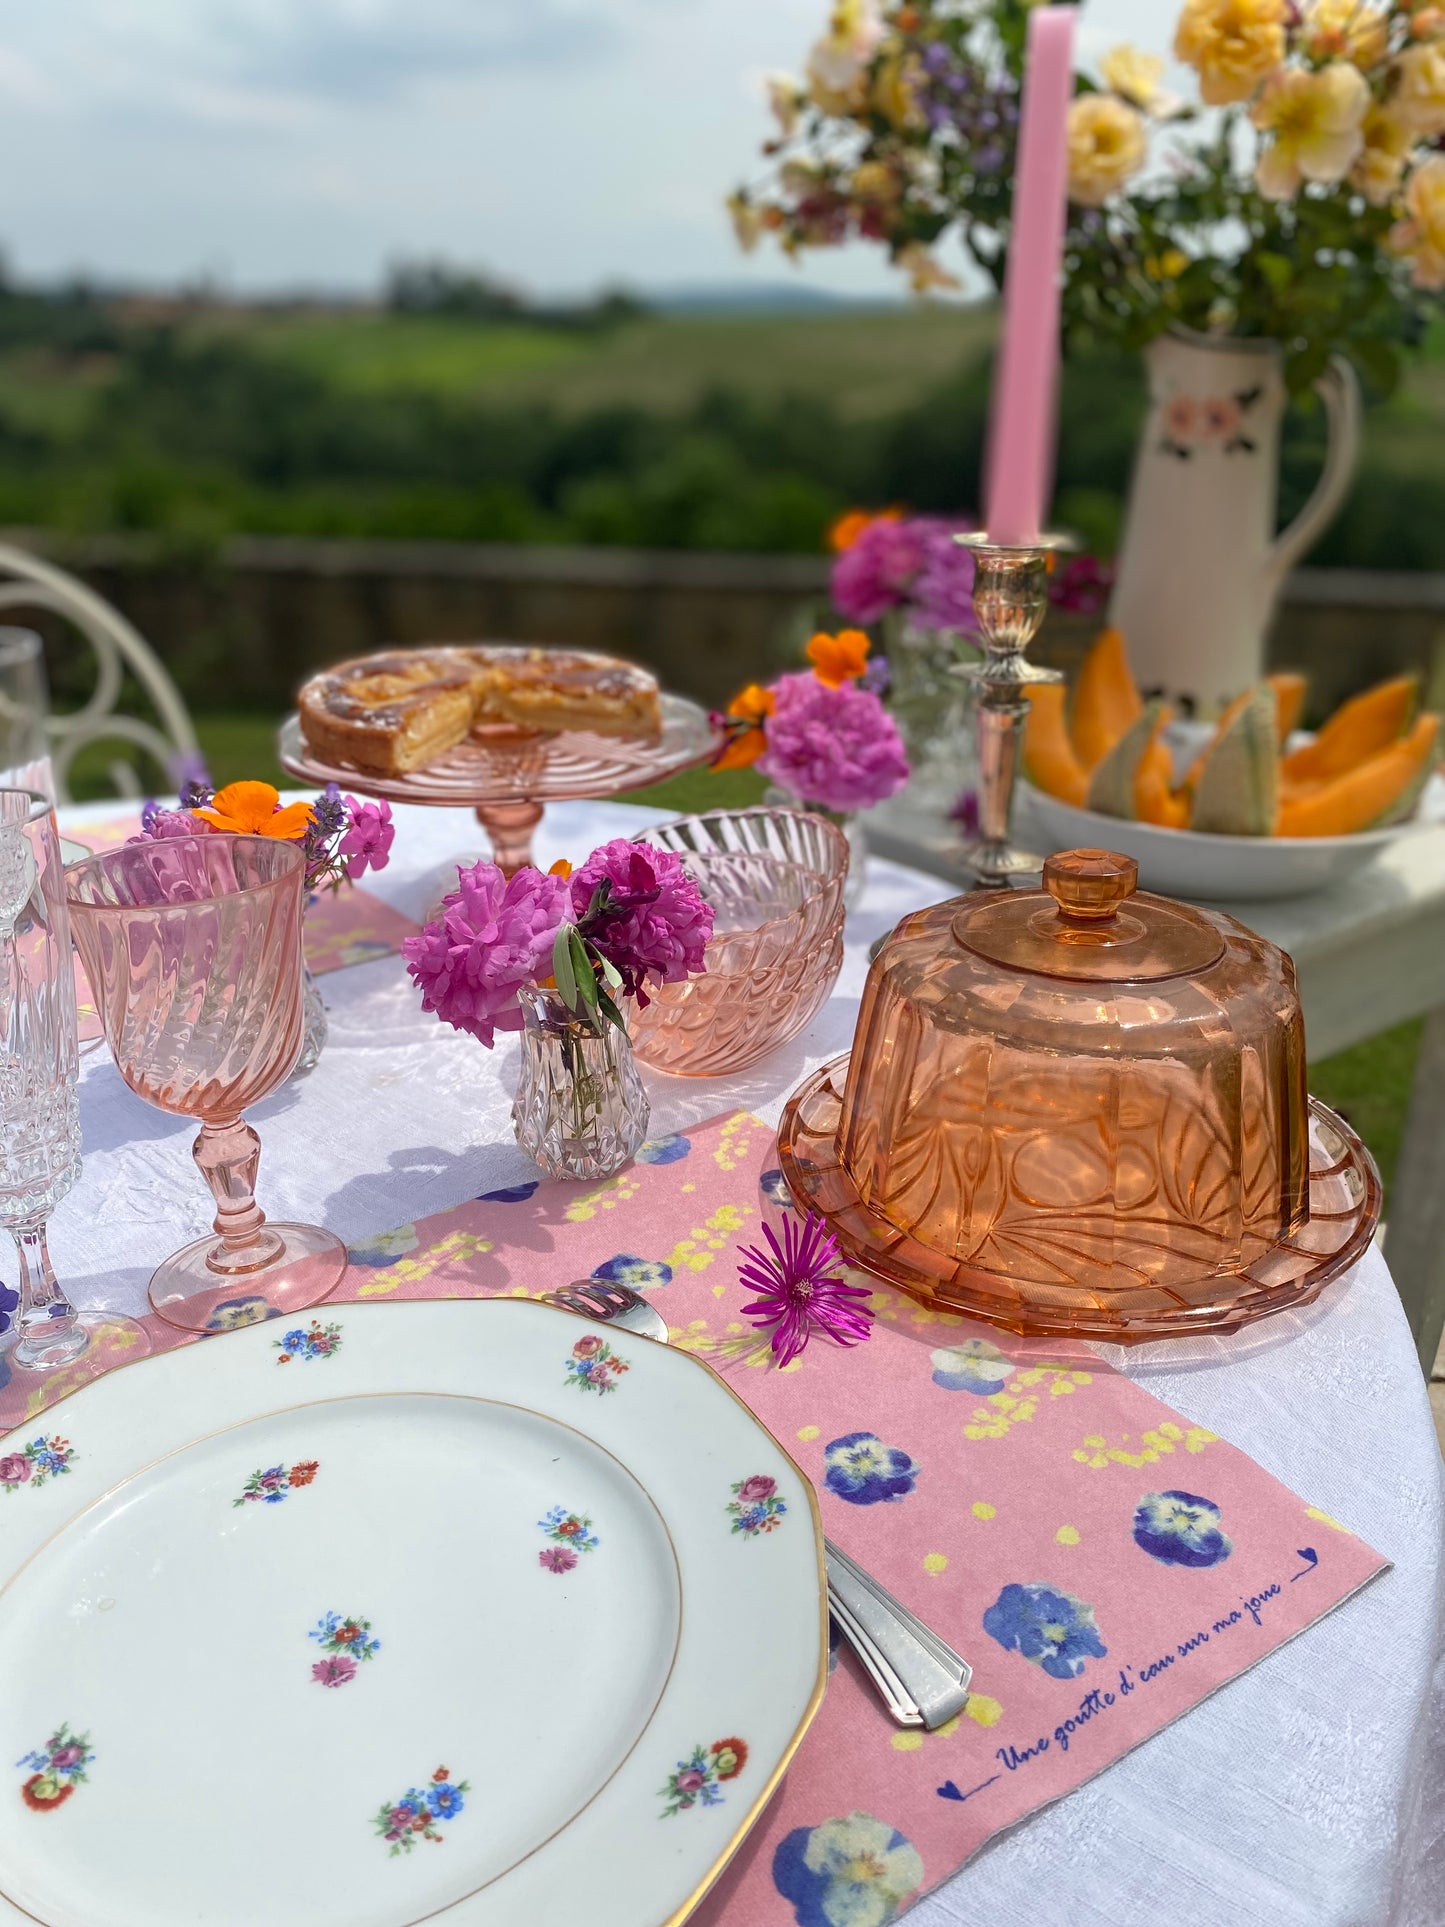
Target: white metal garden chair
(28, 583)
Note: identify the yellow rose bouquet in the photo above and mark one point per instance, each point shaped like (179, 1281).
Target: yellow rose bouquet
(1300, 198)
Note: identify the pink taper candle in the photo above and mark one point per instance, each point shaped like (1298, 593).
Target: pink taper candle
(1026, 377)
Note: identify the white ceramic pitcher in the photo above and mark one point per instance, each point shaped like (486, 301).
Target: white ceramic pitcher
(1201, 564)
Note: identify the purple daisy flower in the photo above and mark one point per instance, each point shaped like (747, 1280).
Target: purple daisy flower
(799, 1288)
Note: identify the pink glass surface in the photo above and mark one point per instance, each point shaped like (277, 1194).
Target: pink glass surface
(775, 880)
(193, 950)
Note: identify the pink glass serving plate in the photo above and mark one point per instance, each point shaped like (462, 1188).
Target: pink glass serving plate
(506, 774)
(438, 1611)
(1344, 1210)
(775, 880)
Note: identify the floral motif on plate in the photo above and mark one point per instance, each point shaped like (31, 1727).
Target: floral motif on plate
(56, 1769)
(313, 1341)
(417, 1814)
(756, 1506)
(572, 1535)
(699, 1778)
(594, 1366)
(271, 1485)
(43, 1458)
(348, 1640)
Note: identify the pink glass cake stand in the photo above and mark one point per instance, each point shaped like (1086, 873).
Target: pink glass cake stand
(506, 774)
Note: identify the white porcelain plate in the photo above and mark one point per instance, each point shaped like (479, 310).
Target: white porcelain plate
(464, 1610)
(1192, 863)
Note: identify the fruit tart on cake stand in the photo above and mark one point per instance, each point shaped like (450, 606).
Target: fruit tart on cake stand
(500, 728)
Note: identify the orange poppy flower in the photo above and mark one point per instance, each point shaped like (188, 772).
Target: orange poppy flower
(848, 527)
(746, 713)
(561, 868)
(254, 809)
(839, 659)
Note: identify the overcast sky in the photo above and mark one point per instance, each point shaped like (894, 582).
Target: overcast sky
(270, 143)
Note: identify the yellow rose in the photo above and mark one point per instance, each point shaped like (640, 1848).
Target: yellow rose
(1107, 145)
(1316, 120)
(1419, 96)
(1421, 235)
(1134, 76)
(875, 183)
(923, 271)
(746, 219)
(838, 64)
(1376, 174)
(893, 92)
(1347, 30)
(1231, 44)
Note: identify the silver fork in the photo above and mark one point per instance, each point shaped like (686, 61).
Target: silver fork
(920, 1678)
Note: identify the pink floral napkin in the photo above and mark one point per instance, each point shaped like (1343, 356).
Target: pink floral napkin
(1103, 1562)
(343, 927)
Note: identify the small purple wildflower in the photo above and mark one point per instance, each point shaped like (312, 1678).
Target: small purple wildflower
(800, 1290)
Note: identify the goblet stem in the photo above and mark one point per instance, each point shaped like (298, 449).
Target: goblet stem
(48, 1325)
(509, 827)
(229, 1155)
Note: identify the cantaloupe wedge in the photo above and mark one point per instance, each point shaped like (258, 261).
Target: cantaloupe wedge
(1236, 792)
(1226, 721)
(1106, 701)
(1155, 798)
(1113, 783)
(1358, 729)
(1049, 759)
(1381, 790)
(1289, 699)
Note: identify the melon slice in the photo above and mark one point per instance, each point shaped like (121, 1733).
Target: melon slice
(1358, 729)
(1289, 698)
(1196, 768)
(1383, 789)
(1155, 798)
(1106, 701)
(1236, 792)
(1113, 781)
(1049, 759)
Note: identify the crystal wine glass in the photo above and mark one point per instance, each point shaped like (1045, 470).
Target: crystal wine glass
(39, 1112)
(193, 949)
(24, 709)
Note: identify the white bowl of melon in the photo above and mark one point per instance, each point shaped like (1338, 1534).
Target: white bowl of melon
(1243, 809)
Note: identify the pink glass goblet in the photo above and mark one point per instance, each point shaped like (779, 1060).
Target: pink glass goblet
(193, 950)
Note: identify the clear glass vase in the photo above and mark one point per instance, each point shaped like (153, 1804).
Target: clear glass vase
(932, 703)
(580, 1109)
(316, 1026)
(850, 822)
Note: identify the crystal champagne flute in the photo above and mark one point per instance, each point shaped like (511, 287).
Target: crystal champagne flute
(39, 1111)
(193, 949)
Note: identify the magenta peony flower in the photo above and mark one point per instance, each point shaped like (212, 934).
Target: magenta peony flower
(913, 564)
(493, 938)
(158, 824)
(836, 748)
(367, 843)
(654, 923)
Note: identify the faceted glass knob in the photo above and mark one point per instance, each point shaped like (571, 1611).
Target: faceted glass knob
(1090, 884)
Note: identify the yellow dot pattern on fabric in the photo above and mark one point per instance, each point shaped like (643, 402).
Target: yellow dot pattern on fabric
(983, 1510)
(935, 1562)
(906, 1742)
(985, 1711)
(689, 1187)
(1067, 1535)
(807, 1433)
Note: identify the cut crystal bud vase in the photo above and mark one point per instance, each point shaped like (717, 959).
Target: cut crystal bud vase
(580, 1109)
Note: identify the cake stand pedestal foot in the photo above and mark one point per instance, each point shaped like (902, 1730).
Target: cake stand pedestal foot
(509, 827)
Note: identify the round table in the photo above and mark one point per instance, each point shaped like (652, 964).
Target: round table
(1309, 1794)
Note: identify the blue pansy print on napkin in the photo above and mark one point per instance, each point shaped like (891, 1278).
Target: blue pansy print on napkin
(974, 1366)
(864, 1471)
(9, 1304)
(1049, 1628)
(664, 1150)
(1180, 1529)
(641, 1274)
(854, 1871)
(509, 1193)
(774, 1187)
(385, 1248)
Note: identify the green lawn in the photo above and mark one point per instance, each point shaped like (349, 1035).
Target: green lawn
(1369, 1084)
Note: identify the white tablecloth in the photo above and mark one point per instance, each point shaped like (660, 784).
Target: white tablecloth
(1309, 1794)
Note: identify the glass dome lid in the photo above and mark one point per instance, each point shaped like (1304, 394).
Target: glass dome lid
(1081, 1108)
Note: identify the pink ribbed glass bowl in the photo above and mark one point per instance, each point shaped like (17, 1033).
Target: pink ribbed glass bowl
(775, 880)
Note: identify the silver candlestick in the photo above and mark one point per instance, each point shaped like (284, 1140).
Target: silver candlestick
(1010, 598)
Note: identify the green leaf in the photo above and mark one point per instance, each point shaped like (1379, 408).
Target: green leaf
(1379, 362)
(612, 976)
(586, 979)
(610, 1011)
(1276, 269)
(562, 966)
